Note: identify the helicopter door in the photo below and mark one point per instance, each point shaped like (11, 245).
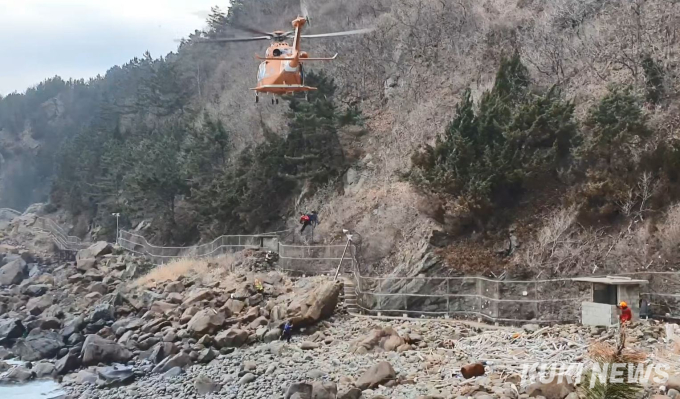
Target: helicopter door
(262, 70)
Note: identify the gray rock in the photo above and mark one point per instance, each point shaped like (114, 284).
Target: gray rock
(350, 393)
(36, 306)
(115, 375)
(204, 385)
(13, 272)
(50, 323)
(159, 352)
(103, 311)
(377, 374)
(174, 287)
(206, 355)
(67, 364)
(35, 289)
(43, 369)
(99, 350)
(19, 374)
(247, 379)
(73, 326)
(180, 360)
(272, 335)
(96, 250)
(10, 329)
(308, 345)
(324, 390)
(301, 389)
(231, 338)
(86, 377)
(554, 390)
(531, 327)
(206, 321)
(38, 345)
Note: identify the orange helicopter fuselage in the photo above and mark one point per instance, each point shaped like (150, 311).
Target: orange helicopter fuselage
(281, 71)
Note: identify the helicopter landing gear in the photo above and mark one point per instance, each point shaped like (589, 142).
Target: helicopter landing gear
(257, 99)
(307, 96)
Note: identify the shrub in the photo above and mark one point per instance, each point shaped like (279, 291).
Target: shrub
(485, 156)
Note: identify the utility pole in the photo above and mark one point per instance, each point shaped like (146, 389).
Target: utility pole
(117, 215)
(349, 240)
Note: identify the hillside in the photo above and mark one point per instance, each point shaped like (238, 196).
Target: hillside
(560, 158)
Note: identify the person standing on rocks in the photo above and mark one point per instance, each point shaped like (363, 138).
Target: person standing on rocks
(287, 333)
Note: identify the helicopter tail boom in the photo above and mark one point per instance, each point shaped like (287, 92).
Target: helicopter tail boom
(296, 59)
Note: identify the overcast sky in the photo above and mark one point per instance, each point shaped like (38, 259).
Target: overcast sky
(83, 38)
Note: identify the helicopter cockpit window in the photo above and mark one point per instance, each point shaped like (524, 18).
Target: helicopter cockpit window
(261, 71)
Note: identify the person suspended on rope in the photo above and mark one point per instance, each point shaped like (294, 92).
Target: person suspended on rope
(304, 221)
(287, 332)
(626, 314)
(314, 218)
(258, 286)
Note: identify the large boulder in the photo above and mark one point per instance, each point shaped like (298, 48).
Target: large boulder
(98, 249)
(43, 369)
(159, 352)
(103, 311)
(73, 326)
(197, 296)
(99, 350)
(558, 389)
(315, 304)
(13, 273)
(179, 360)
(36, 306)
(115, 375)
(38, 345)
(206, 321)
(377, 374)
(18, 374)
(11, 329)
(231, 338)
(35, 289)
(67, 363)
(301, 390)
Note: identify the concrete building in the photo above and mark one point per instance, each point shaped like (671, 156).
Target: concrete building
(606, 294)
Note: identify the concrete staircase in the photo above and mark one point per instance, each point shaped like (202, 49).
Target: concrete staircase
(349, 296)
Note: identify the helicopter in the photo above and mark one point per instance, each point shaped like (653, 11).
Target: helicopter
(281, 70)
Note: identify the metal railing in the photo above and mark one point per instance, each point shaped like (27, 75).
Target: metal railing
(61, 239)
(221, 245)
(507, 301)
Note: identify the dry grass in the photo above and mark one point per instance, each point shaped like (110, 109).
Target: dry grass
(204, 269)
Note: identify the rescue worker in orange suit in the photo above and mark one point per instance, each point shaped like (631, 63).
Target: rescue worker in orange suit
(626, 315)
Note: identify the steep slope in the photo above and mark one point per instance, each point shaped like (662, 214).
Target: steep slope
(400, 87)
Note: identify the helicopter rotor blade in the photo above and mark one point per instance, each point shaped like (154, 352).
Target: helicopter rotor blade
(251, 30)
(346, 33)
(235, 39)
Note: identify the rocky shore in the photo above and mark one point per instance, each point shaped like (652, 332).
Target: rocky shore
(110, 325)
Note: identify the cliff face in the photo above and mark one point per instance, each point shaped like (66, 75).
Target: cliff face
(405, 79)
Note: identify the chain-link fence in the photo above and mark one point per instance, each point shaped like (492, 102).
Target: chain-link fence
(508, 301)
(316, 259)
(61, 239)
(219, 246)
